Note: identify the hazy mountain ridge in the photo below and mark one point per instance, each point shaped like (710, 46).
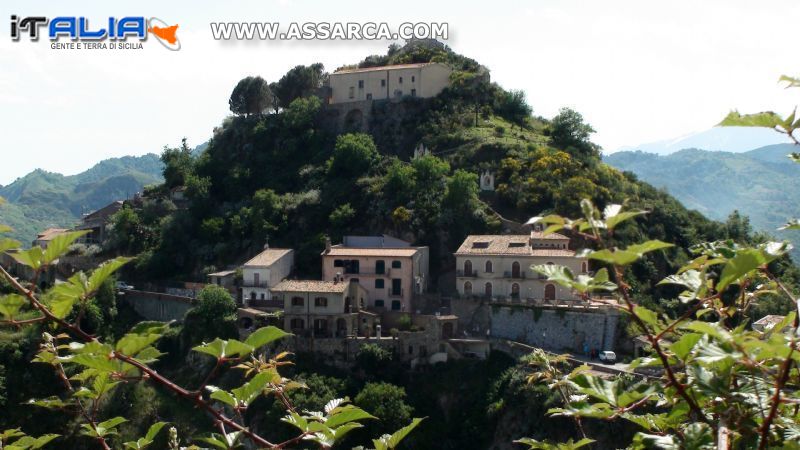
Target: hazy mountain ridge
(44, 199)
(762, 183)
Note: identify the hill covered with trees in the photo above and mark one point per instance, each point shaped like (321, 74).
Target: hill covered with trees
(41, 199)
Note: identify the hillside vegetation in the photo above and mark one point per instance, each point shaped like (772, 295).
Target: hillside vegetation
(761, 184)
(285, 178)
(40, 199)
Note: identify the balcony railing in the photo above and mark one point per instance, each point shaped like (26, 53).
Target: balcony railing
(471, 274)
(510, 274)
(250, 284)
(395, 292)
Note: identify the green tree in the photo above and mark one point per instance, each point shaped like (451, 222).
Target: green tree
(214, 316)
(300, 81)
(569, 132)
(353, 155)
(386, 401)
(513, 106)
(178, 165)
(250, 96)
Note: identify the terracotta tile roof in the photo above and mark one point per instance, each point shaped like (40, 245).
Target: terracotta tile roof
(379, 68)
(50, 233)
(268, 257)
(338, 250)
(541, 235)
(508, 244)
(223, 273)
(771, 319)
(311, 286)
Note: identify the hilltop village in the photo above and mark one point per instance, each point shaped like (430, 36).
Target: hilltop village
(376, 288)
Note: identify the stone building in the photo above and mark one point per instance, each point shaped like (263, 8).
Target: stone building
(388, 82)
(391, 270)
(499, 266)
(320, 309)
(96, 223)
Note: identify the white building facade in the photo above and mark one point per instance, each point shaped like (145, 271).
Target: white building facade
(499, 266)
(264, 271)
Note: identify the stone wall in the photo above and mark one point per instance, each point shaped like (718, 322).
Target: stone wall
(556, 329)
(159, 307)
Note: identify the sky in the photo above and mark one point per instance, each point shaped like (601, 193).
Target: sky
(638, 70)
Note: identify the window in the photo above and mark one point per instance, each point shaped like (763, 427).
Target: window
(383, 83)
(397, 287)
(467, 268)
(298, 301)
(338, 263)
(480, 244)
(252, 295)
(379, 303)
(410, 349)
(396, 264)
(256, 279)
(263, 296)
(398, 92)
(489, 267)
(515, 270)
(361, 84)
(487, 289)
(413, 92)
(352, 266)
(321, 302)
(467, 288)
(412, 78)
(380, 266)
(352, 93)
(297, 324)
(378, 283)
(369, 96)
(400, 80)
(396, 305)
(550, 292)
(584, 267)
(515, 290)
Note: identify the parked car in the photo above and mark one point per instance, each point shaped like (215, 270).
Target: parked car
(608, 357)
(123, 286)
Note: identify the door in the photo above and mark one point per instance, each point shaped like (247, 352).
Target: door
(550, 292)
(397, 286)
(515, 270)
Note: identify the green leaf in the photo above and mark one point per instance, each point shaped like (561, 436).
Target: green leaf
(793, 224)
(219, 348)
(692, 280)
(583, 283)
(8, 244)
(222, 396)
(248, 392)
(347, 414)
(107, 269)
(390, 442)
(683, 346)
(62, 297)
(747, 260)
(52, 402)
(11, 304)
(141, 337)
(31, 257)
(630, 254)
(614, 215)
(59, 245)
(264, 336)
(767, 119)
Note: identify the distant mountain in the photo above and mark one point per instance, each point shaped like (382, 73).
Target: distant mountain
(43, 199)
(762, 183)
(727, 139)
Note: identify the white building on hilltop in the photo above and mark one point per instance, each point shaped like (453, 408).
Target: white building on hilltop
(498, 266)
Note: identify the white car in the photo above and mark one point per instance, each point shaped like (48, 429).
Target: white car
(608, 357)
(123, 286)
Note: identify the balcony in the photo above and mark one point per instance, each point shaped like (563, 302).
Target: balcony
(516, 276)
(250, 284)
(462, 274)
(396, 292)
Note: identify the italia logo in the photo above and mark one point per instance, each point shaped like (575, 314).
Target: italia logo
(130, 30)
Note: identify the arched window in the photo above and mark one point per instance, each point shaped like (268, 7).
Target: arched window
(515, 272)
(467, 288)
(584, 267)
(489, 267)
(488, 290)
(467, 268)
(550, 292)
(515, 290)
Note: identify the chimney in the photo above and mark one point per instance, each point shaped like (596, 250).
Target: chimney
(327, 245)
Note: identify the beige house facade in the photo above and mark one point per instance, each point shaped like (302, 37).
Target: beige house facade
(390, 270)
(423, 80)
(264, 271)
(320, 309)
(499, 266)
